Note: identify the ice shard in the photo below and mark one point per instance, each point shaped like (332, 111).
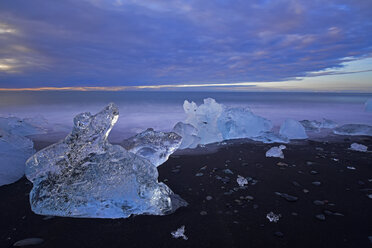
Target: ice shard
(239, 122)
(189, 135)
(276, 151)
(292, 129)
(86, 176)
(14, 151)
(354, 129)
(153, 145)
(312, 126)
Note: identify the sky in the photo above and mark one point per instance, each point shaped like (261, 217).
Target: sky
(237, 45)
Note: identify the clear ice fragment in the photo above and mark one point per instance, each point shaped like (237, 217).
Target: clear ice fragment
(153, 145)
(358, 147)
(241, 181)
(273, 217)
(276, 151)
(179, 233)
(86, 176)
(292, 129)
(354, 129)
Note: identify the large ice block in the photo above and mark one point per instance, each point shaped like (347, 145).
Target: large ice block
(85, 176)
(239, 122)
(292, 129)
(354, 129)
(153, 145)
(14, 151)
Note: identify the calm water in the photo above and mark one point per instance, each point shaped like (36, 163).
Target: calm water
(162, 110)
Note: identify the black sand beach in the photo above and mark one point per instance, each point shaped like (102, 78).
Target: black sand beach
(232, 216)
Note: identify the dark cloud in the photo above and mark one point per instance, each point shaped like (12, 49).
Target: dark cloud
(129, 42)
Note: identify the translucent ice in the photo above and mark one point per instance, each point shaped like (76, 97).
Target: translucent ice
(354, 129)
(273, 217)
(292, 129)
(85, 176)
(204, 119)
(153, 145)
(17, 126)
(241, 181)
(358, 147)
(238, 122)
(189, 135)
(271, 137)
(328, 124)
(179, 233)
(368, 105)
(276, 151)
(311, 125)
(14, 151)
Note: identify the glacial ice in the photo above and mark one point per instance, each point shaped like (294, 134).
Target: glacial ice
(239, 122)
(273, 217)
(326, 123)
(276, 151)
(213, 122)
(14, 151)
(22, 127)
(292, 129)
(204, 118)
(368, 105)
(354, 129)
(189, 135)
(358, 147)
(85, 176)
(153, 145)
(242, 181)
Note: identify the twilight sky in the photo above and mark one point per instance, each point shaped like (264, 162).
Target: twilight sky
(266, 44)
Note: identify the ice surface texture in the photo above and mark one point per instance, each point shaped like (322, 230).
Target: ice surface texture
(189, 135)
(14, 151)
(153, 145)
(292, 129)
(85, 176)
(22, 127)
(358, 147)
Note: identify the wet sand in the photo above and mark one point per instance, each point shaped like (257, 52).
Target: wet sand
(234, 216)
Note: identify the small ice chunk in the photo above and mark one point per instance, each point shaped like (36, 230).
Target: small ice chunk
(241, 181)
(179, 233)
(153, 145)
(368, 105)
(189, 135)
(276, 151)
(351, 167)
(292, 129)
(354, 129)
(358, 147)
(273, 217)
(85, 176)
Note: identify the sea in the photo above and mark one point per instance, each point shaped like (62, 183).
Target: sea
(161, 110)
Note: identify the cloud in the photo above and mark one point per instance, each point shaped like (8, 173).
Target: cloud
(152, 42)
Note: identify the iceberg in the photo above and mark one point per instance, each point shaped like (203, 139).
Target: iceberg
(368, 105)
(14, 151)
(239, 122)
(204, 119)
(189, 135)
(86, 176)
(312, 126)
(358, 147)
(328, 124)
(354, 129)
(276, 151)
(153, 145)
(292, 129)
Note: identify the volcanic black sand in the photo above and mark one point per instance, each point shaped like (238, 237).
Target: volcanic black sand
(234, 216)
